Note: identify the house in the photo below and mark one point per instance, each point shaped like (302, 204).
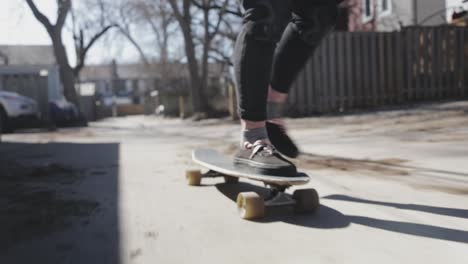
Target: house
(460, 19)
(31, 70)
(391, 15)
(457, 12)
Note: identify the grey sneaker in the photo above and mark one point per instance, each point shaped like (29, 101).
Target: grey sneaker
(263, 158)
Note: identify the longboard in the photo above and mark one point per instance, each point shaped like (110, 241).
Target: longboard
(218, 162)
(250, 204)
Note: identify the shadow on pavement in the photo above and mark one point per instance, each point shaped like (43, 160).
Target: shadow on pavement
(415, 229)
(329, 218)
(59, 203)
(455, 212)
(326, 218)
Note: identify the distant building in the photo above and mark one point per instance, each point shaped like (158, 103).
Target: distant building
(26, 55)
(30, 70)
(391, 15)
(130, 79)
(134, 83)
(456, 10)
(460, 19)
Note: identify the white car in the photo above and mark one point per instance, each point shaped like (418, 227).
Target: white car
(15, 107)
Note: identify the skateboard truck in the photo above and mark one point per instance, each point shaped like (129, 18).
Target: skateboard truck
(252, 206)
(278, 196)
(212, 174)
(215, 174)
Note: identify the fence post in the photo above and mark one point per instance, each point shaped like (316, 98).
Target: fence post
(317, 82)
(465, 58)
(341, 61)
(461, 59)
(181, 107)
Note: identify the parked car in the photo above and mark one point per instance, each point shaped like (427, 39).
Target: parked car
(64, 113)
(16, 110)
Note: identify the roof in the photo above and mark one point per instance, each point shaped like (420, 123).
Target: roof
(128, 71)
(27, 55)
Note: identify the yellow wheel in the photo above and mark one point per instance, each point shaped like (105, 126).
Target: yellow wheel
(307, 201)
(250, 205)
(230, 179)
(193, 177)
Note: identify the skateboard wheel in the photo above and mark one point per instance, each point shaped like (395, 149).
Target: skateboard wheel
(307, 201)
(230, 179)
(193, 177)
(250, 205)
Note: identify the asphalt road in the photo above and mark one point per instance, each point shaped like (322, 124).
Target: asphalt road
(393, 188)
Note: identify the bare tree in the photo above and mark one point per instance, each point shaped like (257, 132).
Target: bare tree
(211, 19)
(126, 15)
(205, 26)
(159, 17)
(183, 14)
(83, 43)
(224, 32)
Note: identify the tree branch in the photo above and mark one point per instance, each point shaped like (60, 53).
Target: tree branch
(64, 7)
(85, 48)
(237, 13)
(40, 16)
(175, 9)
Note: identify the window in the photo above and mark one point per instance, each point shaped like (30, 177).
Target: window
(367, 10)
(385, 7)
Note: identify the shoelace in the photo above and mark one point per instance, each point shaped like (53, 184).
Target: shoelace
(262, 149)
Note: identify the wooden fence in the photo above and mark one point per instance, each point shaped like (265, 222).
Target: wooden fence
(372, 69)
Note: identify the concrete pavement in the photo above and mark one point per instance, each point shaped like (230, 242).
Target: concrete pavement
(393, 187)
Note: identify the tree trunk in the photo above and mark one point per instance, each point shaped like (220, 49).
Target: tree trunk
(196, 82)
(164, 47)
(67, 76)
(206, 48)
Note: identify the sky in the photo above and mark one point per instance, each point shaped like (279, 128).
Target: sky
(18, 26)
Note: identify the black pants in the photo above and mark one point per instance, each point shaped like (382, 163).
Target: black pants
(276, 40)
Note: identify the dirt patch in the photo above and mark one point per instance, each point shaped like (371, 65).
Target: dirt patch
(135, 253)
(458, 190)
(426, 123)
(391, 161)
(152, 234)
(64, 247)
(98, 173)
(47, 172)
(37, 213)
(453, 137)
(36, 201)
(37, 156)
(56, 172)
(367, 167)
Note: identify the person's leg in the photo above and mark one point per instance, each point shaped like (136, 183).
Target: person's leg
(253, 58)
(312, 20)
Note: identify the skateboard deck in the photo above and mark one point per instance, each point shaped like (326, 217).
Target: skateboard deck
(222, 164)
(251, 205)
